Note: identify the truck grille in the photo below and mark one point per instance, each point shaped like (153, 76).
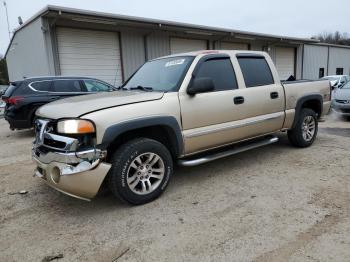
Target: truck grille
(45, 137)
(345, 110)
(342, 101)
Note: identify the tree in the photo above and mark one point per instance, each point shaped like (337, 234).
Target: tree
(336, 38)
(4, 77)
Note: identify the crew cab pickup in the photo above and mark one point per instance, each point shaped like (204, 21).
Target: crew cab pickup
(185, 109)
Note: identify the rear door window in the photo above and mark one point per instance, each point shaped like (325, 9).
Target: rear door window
(67, 86)
(17, 88)
(220, 70)
(10, 90)
(256, 71)
(41, 86)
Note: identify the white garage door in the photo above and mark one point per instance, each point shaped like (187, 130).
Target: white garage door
(285, 59)
(181, 45)
(233, 46)
(89, 53)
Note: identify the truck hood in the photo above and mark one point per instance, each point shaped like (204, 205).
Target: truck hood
(80, 105)
(341, 94)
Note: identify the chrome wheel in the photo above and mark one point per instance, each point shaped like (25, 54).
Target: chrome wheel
(145, 173)
(308, 128)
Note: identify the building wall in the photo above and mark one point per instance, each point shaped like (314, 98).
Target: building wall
(27, 55)
(339, 58)
(315, 57)
(299, 62)
(133, 51)
(158, 44)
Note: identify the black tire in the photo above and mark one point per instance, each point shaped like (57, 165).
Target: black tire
(121, 162)
(295, 135)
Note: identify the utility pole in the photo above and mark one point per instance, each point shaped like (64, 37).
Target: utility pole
(7, 17)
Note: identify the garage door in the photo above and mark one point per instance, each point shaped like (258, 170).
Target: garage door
(181, 45)
(233, 46)
(89, 53)
(285, 62)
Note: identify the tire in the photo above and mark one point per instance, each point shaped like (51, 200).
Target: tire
(297, 136)
(136, 174)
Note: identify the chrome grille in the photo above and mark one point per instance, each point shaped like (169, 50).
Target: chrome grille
(44, 138)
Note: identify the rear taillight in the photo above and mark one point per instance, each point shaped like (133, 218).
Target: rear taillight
(13, 100)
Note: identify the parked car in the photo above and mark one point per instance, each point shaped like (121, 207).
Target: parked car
(24, 97)
(337, 81)
(341, 100)
(2, 109)
(181, 109)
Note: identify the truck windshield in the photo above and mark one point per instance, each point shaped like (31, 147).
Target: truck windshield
(165, 74)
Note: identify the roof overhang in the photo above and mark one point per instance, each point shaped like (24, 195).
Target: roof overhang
(117, 19)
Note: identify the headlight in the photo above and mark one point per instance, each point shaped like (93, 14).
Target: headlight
(75, 126)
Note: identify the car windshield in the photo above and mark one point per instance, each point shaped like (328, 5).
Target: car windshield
(331, 78)
(163, 74)
(346, 86)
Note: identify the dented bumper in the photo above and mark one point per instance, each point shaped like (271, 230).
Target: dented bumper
(78, 174)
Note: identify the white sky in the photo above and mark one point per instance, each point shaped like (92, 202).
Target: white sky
(299, 18)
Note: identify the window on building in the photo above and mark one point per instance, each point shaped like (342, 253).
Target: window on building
(42, 86)
(339, 71)
(321, 72)
(221, 72)
(67, 86)
(256, 71)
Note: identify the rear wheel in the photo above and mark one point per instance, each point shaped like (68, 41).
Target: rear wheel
(141, 170)
(305, 131)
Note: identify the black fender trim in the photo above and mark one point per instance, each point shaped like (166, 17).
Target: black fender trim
(304, 99)
(169, 122)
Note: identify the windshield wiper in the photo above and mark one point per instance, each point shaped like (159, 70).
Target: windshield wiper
(143, 88)
(121, 88)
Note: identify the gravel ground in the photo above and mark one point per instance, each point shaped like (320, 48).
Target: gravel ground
(276, 203)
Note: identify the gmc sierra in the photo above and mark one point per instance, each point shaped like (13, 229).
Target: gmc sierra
(187, 109)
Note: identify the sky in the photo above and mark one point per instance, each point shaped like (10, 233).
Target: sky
(298, 18)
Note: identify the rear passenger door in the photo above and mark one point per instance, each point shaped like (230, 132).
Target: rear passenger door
(264, 98)
(67, 87)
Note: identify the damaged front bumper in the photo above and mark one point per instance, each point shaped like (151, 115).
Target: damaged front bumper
(76, 173)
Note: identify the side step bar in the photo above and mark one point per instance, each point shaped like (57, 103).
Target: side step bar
(215, 156)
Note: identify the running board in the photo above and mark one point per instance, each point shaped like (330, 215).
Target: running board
(215, 156)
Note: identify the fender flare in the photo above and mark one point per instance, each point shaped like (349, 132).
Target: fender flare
(304, 99)
(169, 122)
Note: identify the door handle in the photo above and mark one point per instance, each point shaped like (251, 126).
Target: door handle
(274, 95)
(238, 100)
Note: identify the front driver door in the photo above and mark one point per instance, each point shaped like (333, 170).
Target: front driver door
(205, 115)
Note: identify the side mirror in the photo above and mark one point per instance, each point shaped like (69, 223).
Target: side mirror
(200, 85)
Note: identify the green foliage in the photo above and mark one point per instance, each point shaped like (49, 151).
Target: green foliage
(4, 77)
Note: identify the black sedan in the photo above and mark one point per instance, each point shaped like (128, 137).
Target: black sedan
(24, 97)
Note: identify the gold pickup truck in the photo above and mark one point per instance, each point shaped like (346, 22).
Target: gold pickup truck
(187, 109)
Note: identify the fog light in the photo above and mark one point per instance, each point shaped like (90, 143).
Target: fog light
(55, 174)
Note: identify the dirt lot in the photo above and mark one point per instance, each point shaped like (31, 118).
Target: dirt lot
(275, 203)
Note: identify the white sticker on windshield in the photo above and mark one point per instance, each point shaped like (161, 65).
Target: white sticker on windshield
(175, 62)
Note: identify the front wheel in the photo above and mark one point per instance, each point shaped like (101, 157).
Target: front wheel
(305, 130)
(141, 170)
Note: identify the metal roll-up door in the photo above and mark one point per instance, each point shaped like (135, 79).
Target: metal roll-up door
(233, 46)
(285, 62)
(182, 45)
(89, 53)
